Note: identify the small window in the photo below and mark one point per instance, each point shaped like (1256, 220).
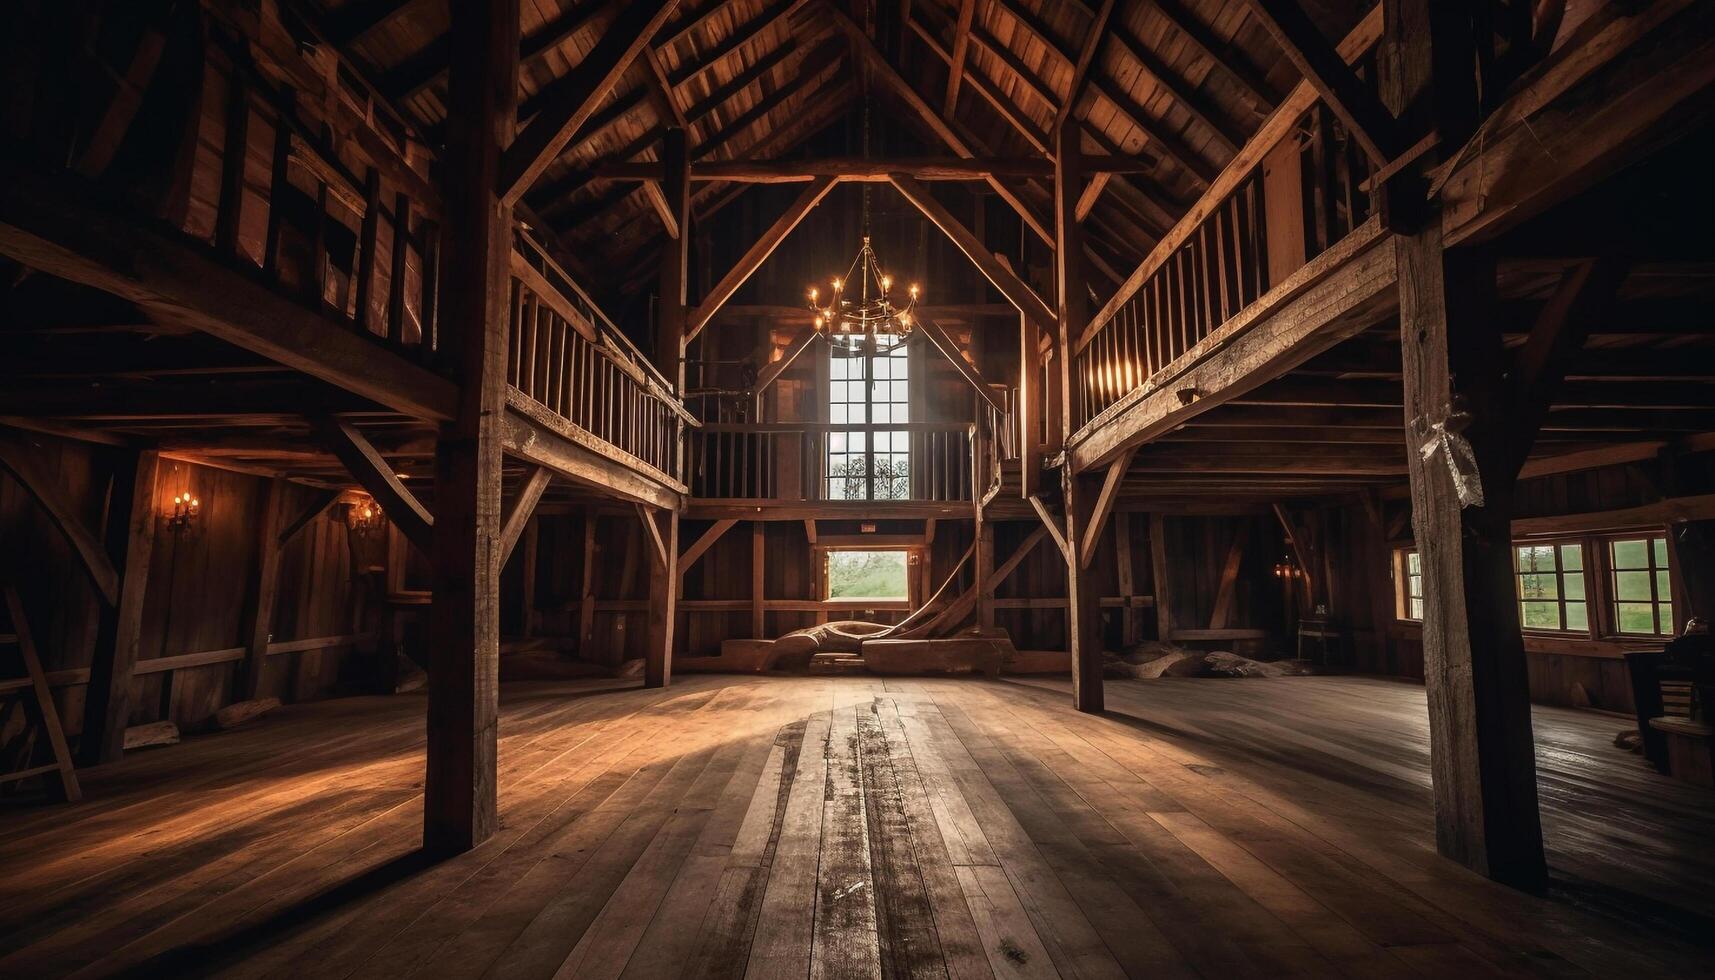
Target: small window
(1412, 583)
(868, 575)
(1643, 595)
(1551, 587)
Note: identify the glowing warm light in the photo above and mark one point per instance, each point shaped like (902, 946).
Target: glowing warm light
(913, 290)
(854, 321)
(837, 285)
(813, 294)
(886, 282)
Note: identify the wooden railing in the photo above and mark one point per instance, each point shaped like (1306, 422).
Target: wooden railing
(331, 235)
(574, 364)
(790, 461)
(1278, 205)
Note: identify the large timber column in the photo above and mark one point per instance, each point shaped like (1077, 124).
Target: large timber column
(1481, 749)
(663, 596)
(464, 645)
(130, 538)
(1083, 608)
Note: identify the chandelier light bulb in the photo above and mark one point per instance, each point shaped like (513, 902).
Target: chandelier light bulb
(812, 294)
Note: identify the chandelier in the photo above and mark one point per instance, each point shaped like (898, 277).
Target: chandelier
(861, 304)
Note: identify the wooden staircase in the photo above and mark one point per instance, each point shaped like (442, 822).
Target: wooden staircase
(31, 693)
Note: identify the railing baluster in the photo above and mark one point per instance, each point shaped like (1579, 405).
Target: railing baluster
(396, 270)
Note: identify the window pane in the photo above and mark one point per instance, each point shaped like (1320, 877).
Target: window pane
(1572, 556)
(1536, 558)
(1574, 585)
(1631, 554)
(1414, 563)
(837, 414)
(1416, 608)
(883, 413)
(1632, 586)
(1659, 547)
(1636, 617)
(1538, 585)
(1577, 616)
(866, 575)
(1540, 615)
(836, 442)
(1667, 617)
(1663, 588)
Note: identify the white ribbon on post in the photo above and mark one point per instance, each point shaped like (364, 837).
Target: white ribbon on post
(1442, 434)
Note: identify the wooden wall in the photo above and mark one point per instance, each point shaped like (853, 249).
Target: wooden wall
(1029, 602)
(198, 587)
(1563, 672)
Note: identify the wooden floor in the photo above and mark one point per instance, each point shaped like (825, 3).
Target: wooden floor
(850, 827)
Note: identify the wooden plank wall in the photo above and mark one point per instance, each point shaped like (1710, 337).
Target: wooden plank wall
(196, 591)
(1383, 645)
(1198, 548)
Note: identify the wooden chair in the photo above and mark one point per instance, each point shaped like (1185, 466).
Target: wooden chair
(38, 701)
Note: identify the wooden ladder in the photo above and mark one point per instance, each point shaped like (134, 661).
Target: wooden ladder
(47, 716)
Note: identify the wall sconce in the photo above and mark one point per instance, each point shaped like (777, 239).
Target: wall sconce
(1284, 568)
(185, 510)
(364, 517)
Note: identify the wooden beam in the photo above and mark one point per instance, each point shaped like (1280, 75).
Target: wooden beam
(322, 501)
(896, 83)
(519, 512)
(131, 524)
(1158, 575)
(258, 621)
(459, 789)
(60, 226)
(1580, 300)
(569, 102)
(674, 203)
(1052, 525)
(372, 472)
(658, 200)
(758, 580)
(757, 254)
(529, 440)
(950, 350)
(961, 47)
(1094, 34)
(701, 546)
(1369, 122)
(644, 515)
(47, 709)
(1102, 508)
(1083, 599)
(865, 170)
(810, 529)
(663, 596)
(19, 458)
(1013, 288)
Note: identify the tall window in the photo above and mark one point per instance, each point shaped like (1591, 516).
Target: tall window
(867, 393)
(1643, 596)
(1551, 587)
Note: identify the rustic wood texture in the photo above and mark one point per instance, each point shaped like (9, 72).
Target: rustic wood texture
(735, 825)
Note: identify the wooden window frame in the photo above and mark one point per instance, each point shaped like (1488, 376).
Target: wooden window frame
(916, 561)
(1610, 584)
(1591, 623)
(1603, 633)
(1402, 585)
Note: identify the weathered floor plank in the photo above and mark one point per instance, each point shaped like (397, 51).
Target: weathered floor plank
(850, 827)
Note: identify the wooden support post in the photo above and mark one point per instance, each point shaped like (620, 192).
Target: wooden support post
(527, 576)
(522, 510)
(671, 312)
(1127, 588)
(1030, 403)
(1482, 757)
(264, 585)
(586, 591)
(131, 526)
(459, 798)
(663, 600)
(1083, 601)
(1481, 748)
(758, 580)
(1158, 571)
